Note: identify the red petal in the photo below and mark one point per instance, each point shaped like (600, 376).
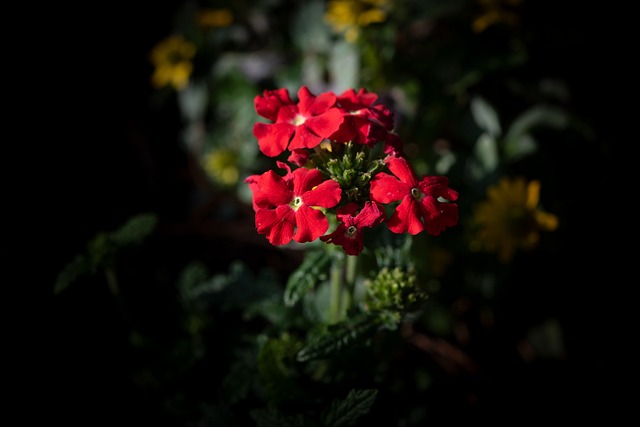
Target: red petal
(273, 138)
(325, 124)
(275, 189)
(400, 168)
(406, 218)
(438, 186)
(446, 216)
(311, 224)
(305, 179)
(268, 105)
(278, 225)
(304, 138)
(326, 195)
(387, 188)
(369, 216)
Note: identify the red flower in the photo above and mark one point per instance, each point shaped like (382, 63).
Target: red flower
(349, 233)
(285, 206)
(422, 206)
(301, 125)
(364, 123)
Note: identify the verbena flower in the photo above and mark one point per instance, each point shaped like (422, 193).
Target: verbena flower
(341, 146)
(511, 218)
(296, 125)
(424, 204)
(350, 232)
(349, 16)
(172, 61)
(364, 122)
(286, 207)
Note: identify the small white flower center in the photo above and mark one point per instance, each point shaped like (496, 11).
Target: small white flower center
(298, 120)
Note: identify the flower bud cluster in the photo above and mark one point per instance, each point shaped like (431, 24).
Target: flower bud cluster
(393, 290)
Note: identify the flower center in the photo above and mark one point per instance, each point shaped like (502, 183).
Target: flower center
(417, 194)
(298, 120)
(351, 231)
(297, 202)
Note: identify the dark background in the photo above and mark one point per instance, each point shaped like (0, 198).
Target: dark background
(101, 154)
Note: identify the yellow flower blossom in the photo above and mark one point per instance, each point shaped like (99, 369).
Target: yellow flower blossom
(222, 166)
(495, 12)
(349, 16)
(172, 61)
(511, 218)
(211, 18)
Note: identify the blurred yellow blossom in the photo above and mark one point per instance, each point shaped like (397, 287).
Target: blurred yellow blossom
(511, 218)
(222, 166)
(349, 16)
(214, 18)
(172, 61)
(495, 12)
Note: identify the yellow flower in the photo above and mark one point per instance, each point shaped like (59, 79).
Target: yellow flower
(510, 218)
(214, 17)
(222, 166)
(495, 12)
(349, 16)
(171, 58)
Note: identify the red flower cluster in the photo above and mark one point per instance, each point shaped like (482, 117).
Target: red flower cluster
(294, 206)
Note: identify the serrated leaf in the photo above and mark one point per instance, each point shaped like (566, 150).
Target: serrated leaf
(345, 412)
(338, 337)
(135, 230)
(485, 116)
(305, 278)
(79, 266)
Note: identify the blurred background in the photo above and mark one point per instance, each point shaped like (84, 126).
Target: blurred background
(117, 144)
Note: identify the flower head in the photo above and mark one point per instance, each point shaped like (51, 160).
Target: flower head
(350, 232)
(424, 204)
(172, 61)
(295, 126)
(511, 218)
(287, 206)
(341, 147)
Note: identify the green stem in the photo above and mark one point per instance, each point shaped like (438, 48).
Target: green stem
(335, 304)
(350, 275)
(342, 278)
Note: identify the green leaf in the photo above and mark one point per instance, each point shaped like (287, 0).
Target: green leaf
(277, 369)
(485, 116)
(309, 273)
(71, 272)
(518, 141)
(345, 412)
(135, 230)
(338, 337)
(486, 153)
